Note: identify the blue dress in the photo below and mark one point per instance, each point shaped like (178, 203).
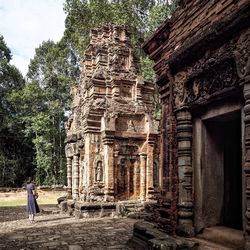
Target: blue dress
(32, 206)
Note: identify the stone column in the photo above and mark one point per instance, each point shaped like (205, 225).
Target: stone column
(116, 172)
(135, 179)
(185, 172)
(242, 60)
(128, 178)
(149, 171)
(69, 177)
(75, 183)
(109, 170)
(246, 162)
(143, 176)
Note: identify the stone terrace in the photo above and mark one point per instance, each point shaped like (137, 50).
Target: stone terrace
(56, 231)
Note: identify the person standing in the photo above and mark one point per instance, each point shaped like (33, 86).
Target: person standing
(32, 206)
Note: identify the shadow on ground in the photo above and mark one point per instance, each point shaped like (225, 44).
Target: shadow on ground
(63, 232)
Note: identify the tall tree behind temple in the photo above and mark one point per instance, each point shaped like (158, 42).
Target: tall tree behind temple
(15, 150)
(45, 101)
(141, 16)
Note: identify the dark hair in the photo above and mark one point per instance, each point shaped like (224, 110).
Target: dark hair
(30, 179)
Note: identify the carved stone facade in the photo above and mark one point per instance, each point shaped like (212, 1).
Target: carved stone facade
(112, 134)
(202, 59)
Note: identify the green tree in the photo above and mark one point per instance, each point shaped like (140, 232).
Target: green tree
(51, 73)
(15, 151)
(141, 16)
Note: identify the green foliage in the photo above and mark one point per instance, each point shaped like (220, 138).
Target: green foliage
(51, 73)
(142, 17)
(15, 151)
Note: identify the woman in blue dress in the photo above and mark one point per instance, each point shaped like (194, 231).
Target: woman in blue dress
(32, 206)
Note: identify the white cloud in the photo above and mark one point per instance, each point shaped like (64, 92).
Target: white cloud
(26, 23)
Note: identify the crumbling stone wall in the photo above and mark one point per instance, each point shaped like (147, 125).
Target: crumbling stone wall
(112, 134)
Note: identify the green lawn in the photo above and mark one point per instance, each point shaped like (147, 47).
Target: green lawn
(20, 198)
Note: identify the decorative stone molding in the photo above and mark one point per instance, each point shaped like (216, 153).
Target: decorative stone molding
(246, 162)
(242, 55)
(220, 77)
(69, 177)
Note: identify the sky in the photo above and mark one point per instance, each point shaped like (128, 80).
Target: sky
(25, 24)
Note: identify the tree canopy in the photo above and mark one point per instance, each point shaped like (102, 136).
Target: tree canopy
(15, 151)
(141, 17)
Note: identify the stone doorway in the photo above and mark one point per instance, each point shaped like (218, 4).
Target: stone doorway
(128, 178)
(217, 160)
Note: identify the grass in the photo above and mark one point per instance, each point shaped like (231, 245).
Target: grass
(20, 198)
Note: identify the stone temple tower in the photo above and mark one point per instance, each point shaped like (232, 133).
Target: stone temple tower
(112, 135)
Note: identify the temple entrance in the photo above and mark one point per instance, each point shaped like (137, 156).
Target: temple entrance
(218, 171)
(127, 179)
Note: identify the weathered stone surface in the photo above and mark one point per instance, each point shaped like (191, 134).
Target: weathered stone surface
(62, 232)
(112, 134)
(202, 60)
(147, 236)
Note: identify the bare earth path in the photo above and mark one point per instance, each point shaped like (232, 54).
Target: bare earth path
(56, 231)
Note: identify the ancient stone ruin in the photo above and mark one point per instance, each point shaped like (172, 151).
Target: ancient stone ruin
(112, 134)
(202, 59)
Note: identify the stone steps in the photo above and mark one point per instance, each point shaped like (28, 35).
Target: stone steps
(208, 245)
(50, 210)
(131, 209)
(228, 237)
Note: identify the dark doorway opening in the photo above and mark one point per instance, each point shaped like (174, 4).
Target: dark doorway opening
(232, 210)
(222, 171)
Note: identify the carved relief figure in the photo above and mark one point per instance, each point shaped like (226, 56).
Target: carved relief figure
(242, 55)
(99, 172)
(131, 127)
(180, 88)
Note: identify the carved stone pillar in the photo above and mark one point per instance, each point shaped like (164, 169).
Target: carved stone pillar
(185, 172)
(116, 172)
(75, 184)
(136, 173)
(128, 178)
(109, 170)
(149, 171)
(69, 177)
(246, 163)
(242, 59)
(143, 176)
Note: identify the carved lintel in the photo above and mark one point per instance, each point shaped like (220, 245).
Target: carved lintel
(218, 78)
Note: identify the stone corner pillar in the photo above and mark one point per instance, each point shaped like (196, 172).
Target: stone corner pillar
(75, 179)
(185, 172)
(69, 177)
(143, 161)
(108, 169)
(246, 162)
(150, 193)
